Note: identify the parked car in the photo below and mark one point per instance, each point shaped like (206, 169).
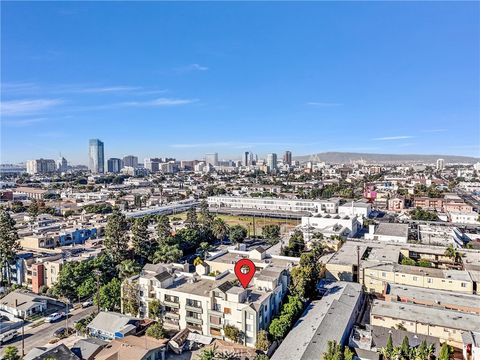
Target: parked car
(87, 303)
(54, 317)
(7, 336)
(60, 332)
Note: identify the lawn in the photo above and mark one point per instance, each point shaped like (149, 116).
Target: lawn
(247, 221)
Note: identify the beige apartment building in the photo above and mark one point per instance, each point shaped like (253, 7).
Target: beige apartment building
(447, 325)
(209, 299)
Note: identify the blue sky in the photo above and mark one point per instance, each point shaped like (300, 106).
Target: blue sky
(183, 79)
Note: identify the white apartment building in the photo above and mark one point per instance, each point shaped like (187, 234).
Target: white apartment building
(359, 208)
(41, 166)
(328, 225)
(272, 204)
(208, 300)
(463, 217)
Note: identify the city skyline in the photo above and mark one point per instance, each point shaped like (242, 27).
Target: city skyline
(338, 78)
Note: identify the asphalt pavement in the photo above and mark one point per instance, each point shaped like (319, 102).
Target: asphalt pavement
(41, 335)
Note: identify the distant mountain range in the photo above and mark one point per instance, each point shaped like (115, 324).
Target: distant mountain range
(346, 157)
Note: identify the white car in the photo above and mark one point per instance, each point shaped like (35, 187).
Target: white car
(54, 317)
(7, 336)
(87, 303)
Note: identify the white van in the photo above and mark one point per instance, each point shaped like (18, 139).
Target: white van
(7, 336)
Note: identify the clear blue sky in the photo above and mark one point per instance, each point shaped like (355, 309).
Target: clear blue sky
(183, 79)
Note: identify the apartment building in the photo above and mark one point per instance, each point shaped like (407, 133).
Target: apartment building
(427, 203)
(447, 325)
(464, 217)
(209, 299)
(273, 204)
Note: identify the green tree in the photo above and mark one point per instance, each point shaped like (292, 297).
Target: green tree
(128, 268)
(191, 221)
(205, 218)
(209, 353)
(167, 254)
(164, 229)
(219, 229)
(296, 244)
(271, 233)
(279, 327)
(109, 295)
(260, 357)
(387, 351)
(405, 348)
(130, 300)
(233, 333)
(348, 354)
(304, 278)
(11, 353)
(408, 261)
(198, 260)
(263, 343)
(142, 245)
(237, 233)
(33, 211)
(116, 239)
(156, 331)
(446, 352)
(204, 249)
(154, 309)
(424, 263)
(9, 244)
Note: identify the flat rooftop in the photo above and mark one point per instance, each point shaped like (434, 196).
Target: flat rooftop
(426, 315)
(439, 298)
(323, 320)
(392, 229)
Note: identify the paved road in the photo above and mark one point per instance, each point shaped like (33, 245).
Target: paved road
(40, 335)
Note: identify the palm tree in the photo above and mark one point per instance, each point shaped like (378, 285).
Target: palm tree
(453, 253)
(128, 268)
(220, 229)
(167, 254)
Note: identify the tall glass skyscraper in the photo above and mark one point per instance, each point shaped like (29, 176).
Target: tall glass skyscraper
(96, 156)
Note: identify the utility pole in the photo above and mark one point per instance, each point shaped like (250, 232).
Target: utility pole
(23, 336)
(97, 274)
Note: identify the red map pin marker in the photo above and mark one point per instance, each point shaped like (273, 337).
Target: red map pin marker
(244, 269)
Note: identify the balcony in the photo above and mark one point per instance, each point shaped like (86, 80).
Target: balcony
(216, 326)
(194, 327)
(172, 315)
(194, 309)
(194, 320)
(215, 312)
(171, 304)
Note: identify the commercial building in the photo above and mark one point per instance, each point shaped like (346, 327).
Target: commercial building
(388, 232)
(130, 160)
(152, 164)
(274, 204)
(96, 156)
(272, 162)
(62, 165)
(211, 159)
(287, 158)
(328, 319)
(41, 166)
(114, 165)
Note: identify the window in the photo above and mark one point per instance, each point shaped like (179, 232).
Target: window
(464, 284)
(414, 278)
(429, 280)
(384, 274)
(250, 316)
(249, 327)
(227, 310)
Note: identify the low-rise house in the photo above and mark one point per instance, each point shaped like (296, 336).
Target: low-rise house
(112, 325)
(86, 349)
(134, 348)
(59, 352)
(22, 304)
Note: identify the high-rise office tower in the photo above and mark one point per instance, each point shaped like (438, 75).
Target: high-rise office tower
(96, 157)
(287, 157)
(272, 161)
(246, 158)
(62, 164)
(114, 165)
(130, 160)
(211, 159)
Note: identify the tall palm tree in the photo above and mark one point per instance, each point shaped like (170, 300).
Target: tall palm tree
(128, 268)
(219, 229)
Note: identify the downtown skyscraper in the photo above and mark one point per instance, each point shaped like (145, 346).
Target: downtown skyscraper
(96, 156)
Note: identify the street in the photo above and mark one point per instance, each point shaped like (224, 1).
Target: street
(40, 335)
